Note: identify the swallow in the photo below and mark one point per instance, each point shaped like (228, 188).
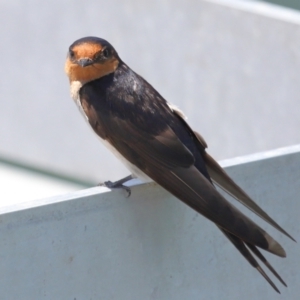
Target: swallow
(153, 139)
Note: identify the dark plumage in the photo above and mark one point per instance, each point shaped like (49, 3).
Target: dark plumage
(152, 137)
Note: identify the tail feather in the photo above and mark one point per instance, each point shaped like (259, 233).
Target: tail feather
(239, 244)
(267, 264)
(219, 177)
(191, 187)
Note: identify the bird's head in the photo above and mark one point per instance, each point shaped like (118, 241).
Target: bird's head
(90, 58)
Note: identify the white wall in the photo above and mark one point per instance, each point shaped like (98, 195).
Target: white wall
(232, 66)
(96, 244)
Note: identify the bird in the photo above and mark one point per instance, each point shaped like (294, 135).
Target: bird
(152, 138)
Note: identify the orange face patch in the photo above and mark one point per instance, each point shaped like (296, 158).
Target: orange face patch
(86, 50)
(94, 71)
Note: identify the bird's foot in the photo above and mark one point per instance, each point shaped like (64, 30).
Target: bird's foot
(118, 184)
(115, 185)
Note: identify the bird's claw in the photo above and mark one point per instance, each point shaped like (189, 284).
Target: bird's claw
(116, 185)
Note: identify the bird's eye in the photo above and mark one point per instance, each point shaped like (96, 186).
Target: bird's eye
(105, 53)
(71, 54)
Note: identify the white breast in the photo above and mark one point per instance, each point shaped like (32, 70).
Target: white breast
(75, 86)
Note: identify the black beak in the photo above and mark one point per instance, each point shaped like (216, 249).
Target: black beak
(84, 62)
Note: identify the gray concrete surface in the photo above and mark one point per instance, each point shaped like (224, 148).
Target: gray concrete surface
(99, 245)
(232, 66)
